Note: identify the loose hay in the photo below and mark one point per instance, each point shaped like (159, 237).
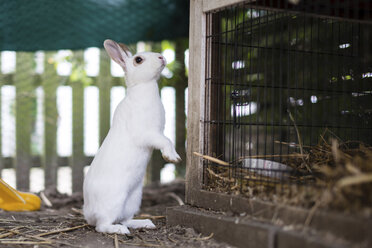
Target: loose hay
(27, 231)
(64, 225)
(334, 175)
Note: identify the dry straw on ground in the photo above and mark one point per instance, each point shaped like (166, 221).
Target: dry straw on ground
(332, 174)
(27, 231)
(63, 225)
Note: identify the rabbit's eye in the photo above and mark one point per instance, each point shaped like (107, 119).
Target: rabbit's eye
(138, 60)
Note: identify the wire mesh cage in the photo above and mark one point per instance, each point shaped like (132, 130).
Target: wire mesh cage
(282, 79)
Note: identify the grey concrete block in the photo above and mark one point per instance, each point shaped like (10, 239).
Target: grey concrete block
(227, 229)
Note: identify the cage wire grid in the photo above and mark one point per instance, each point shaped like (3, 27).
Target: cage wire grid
(280, 77)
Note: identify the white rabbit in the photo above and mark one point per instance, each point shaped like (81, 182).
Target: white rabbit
(113, 185)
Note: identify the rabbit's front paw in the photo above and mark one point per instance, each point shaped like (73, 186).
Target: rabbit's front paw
(170, 155)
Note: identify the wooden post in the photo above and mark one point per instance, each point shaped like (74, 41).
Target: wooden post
(195, 115)
(50, 84)
(180, 86)
(78, 159)
(104, 85)
(25, 95)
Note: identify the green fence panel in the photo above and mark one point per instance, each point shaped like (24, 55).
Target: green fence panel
(50, 84)
(25, 102)
(78, 157)
(104, 85)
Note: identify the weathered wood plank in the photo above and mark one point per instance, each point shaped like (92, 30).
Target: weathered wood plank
(77, 161)
(154, 167)
(209, 5)
(50, 84)
(25, 96)
(195, 99)
(180, 86)
(36, 161)
(117, 81)
(104, 85)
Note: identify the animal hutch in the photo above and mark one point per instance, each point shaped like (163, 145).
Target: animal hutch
(276, 89)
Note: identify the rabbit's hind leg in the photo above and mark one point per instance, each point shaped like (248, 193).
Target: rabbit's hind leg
(132, 204)
(135, 224)
(108, 223)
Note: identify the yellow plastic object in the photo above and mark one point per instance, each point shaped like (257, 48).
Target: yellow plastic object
(13, 200)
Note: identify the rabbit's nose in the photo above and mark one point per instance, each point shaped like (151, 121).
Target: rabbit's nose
(163, 61)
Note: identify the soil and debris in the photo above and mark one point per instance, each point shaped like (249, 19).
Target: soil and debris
(333, 175)
(62, 224)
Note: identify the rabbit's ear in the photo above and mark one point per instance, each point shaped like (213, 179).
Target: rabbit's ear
(116, 52)
(125, 49)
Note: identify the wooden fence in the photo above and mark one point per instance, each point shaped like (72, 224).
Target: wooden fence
(25, 81)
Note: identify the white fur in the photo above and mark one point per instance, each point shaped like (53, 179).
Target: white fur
(113, 185)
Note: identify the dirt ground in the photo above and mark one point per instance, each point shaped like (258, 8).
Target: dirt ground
(62, 224)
